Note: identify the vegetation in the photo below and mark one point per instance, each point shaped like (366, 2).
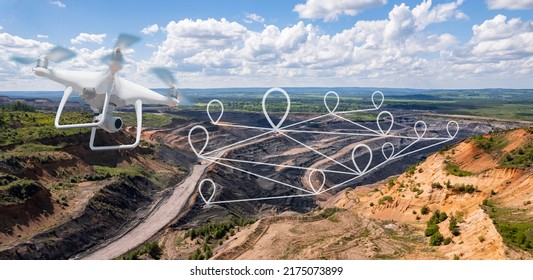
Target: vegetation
(218, 230)
(211, 232)
(493, 142)
(454, 170)
(520, 158)
(386, 198)
(151, 249)
(453, 227)
(20, 127)
(432, 229)
(514, 225)
(462, 188)
(424, 210)
(447, 241)
(16, 191)
(436, 239)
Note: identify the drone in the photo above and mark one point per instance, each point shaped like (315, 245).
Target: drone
(104, 91)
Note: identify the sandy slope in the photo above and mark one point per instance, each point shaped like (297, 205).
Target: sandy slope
(392, 230)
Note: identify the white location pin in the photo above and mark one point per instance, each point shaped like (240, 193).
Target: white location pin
(369, 158)
(323, 181)
(453, 123)
(198, 153)
(276, 126)
(423, 126)
(326, 103)
(379, 118)
(200, 186)
(209, 112)
(382, 99)
(387, 146)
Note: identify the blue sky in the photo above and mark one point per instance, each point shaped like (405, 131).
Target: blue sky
(421, 44)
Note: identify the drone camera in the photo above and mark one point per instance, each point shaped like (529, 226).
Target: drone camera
(112, 124)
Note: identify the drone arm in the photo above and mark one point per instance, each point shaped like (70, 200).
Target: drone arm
(138, 113)
(64, 99)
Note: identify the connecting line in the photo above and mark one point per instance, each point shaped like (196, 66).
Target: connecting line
(359, 125)
(254, 174)
(284, 130)
(397, 156)
(239, 142)
(314, 150)
(246, 126)
(362, 134)
(281, 165)
(262, 198)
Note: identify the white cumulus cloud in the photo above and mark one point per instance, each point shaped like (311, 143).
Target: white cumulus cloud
(58, 3)
(88, 38)
(331, 10)
(41, 36)
(253, 18)
(149, 30)
(510, 4)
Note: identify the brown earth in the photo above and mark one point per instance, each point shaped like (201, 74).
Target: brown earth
(396, 229)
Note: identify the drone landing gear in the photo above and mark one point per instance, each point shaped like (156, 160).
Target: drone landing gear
(66, 95)
(138, 113)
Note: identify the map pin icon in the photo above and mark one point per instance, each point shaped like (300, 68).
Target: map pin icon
(209, 112)
(267, 116)
(326, 102)
(379, 118)
(323, 181)
(387, 145)
(201, 185)
(198, 153)
(362, 146)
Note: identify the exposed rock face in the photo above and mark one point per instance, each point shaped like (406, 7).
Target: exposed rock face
(105, 214)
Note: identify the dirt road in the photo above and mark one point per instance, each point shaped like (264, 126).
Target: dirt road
(162, 215)
(157, 220)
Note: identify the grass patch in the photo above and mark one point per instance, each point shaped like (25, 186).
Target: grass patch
(520, 158)
(20, 127)
(491, 143)
(149, 119)
(515, 227)
(18, 191)
(386, 198)
(453, 169)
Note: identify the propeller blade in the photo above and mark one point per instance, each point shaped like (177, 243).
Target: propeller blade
(165, 75)
(23, 60)
(59, 54)
(126, 40)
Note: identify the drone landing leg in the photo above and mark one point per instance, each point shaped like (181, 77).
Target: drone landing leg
(66, 95)
(138, 113)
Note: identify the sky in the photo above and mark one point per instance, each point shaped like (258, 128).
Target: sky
(287, 43)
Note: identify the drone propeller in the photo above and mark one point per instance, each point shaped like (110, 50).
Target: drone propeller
(116, 58)
(126, 40)
(166, 76)
(56, 54)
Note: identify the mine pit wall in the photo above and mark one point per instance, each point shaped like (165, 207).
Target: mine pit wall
(233, 184)
(107, 213)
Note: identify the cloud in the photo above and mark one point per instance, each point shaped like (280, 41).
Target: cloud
(41, 36)
(510, 4)
(253, 18)
(149, 30)
(398, 50)
(440, 13)
(58, 3)
(88, 38)
(331, 10)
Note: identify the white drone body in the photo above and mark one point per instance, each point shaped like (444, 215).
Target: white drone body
(104, 92)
